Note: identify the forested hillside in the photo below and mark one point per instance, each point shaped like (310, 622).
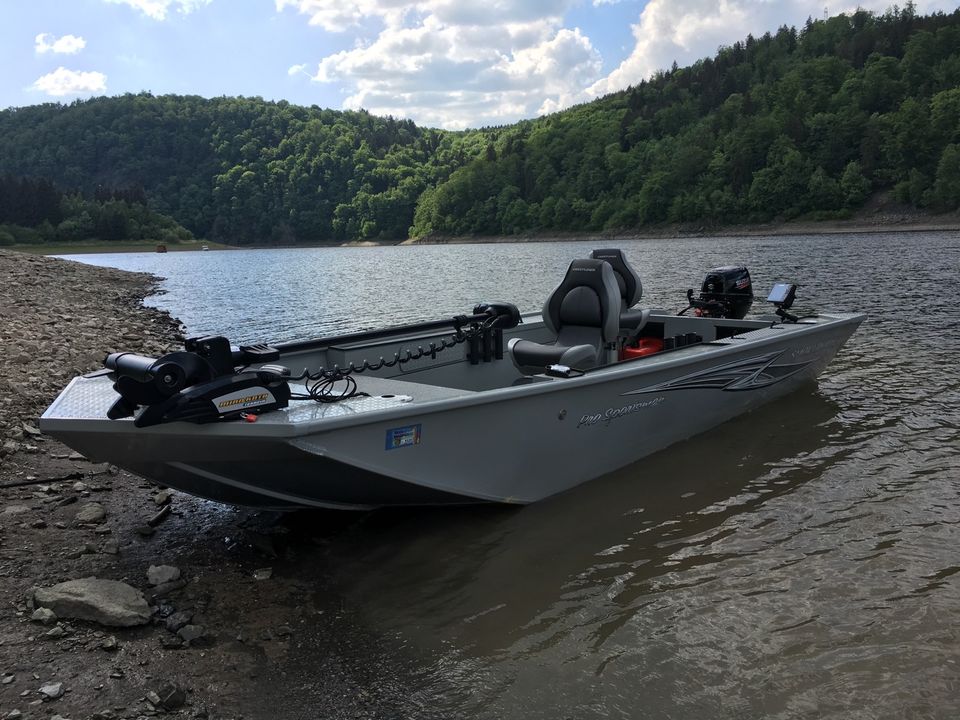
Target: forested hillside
(33, 211)
(803, 122)
(795, 123)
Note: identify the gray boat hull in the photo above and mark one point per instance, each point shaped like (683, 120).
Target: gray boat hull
(418, 443)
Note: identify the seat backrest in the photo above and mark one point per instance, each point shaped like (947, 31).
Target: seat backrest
(631, 289)
(585, 306)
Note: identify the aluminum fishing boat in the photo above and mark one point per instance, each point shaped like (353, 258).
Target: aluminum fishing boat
(485, 407)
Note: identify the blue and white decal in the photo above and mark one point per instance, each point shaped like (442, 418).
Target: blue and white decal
(401, 437)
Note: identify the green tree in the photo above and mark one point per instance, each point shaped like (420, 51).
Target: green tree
(854, 186)
(946, 187)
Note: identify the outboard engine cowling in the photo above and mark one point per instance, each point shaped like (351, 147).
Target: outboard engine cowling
(726, 292)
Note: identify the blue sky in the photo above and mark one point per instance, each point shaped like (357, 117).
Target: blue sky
(443, 63)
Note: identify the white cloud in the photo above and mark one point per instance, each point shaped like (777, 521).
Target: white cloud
(66, 45)
(158, 9)
(338, 15)
(457, 64)
(686, 30)
(465, 63)
(62, 82)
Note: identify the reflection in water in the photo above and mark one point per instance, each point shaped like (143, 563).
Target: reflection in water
(565, 585)
(797, 562)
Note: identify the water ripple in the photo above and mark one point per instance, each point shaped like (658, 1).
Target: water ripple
(797, 562)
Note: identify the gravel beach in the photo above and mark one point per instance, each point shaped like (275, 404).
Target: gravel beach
(225, 613)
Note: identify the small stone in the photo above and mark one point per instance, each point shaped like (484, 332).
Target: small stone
(178, 620)
(103, 530)
(68, 500)
(263, 573)
(31, 430)
(171, 642)
(162, 497)
(75, 456)
(13, 715)
(44, 615)
(145, 531)
(192, 634)
(56, 633)
(91, 513)
(152, 697)
(171, 697)
(51, 691)
(109, 643)
(15, 510)
(38, 524)
(111, 547)
(7, 678)
(162, 574)
(79, 487)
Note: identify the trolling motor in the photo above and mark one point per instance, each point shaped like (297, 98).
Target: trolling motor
(199, 384)
(727, 292)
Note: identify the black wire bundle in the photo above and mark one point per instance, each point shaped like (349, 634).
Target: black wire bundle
(321, 385)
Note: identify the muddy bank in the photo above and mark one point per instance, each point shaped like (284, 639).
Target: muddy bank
(228, 600)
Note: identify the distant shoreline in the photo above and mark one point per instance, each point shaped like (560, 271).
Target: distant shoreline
(943, 223)
(901, 224)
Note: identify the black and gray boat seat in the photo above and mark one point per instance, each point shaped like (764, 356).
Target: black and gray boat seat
(584, 312)
(631, 290)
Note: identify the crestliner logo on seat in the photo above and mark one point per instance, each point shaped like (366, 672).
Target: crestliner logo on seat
(578, 269)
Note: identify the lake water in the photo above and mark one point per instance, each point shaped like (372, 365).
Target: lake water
(801, 561)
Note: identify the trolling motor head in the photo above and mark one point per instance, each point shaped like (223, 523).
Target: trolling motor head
(726, 292)
(199, 384)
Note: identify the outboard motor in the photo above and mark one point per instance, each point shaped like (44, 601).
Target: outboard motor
(727, 292)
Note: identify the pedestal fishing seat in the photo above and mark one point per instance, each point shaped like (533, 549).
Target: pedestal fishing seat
(584, 312)
(631, 289)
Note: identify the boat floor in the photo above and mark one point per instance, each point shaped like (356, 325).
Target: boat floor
(91, 397)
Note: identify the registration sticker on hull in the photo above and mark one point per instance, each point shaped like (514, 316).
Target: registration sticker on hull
(403, 437)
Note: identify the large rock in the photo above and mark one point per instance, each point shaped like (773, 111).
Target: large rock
(162, 574)
(91, 513)
(108, 602)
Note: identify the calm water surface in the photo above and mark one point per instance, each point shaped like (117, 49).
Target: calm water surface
(801, 561)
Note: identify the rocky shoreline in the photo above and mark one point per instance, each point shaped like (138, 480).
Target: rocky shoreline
(128, 600)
